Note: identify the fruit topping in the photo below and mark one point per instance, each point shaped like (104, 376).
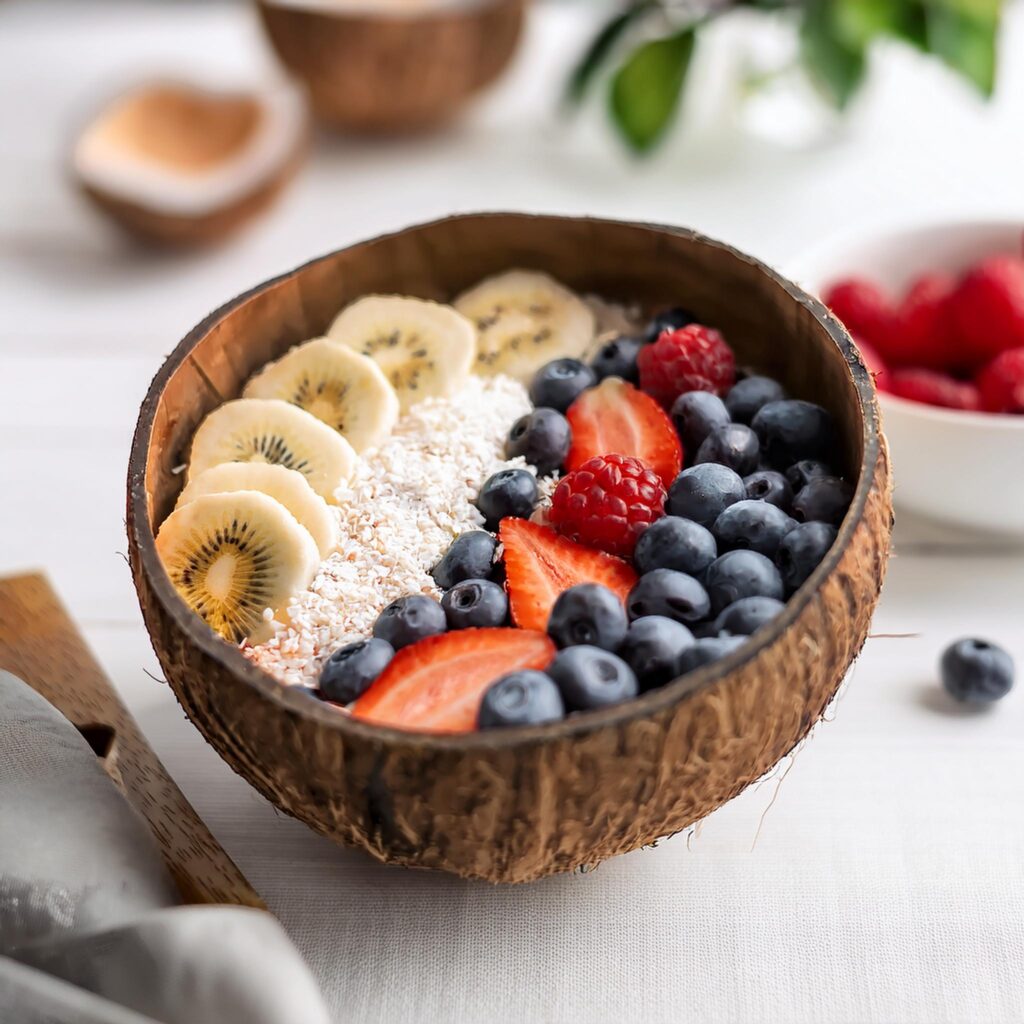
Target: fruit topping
(703, 492)
(409, 619)
(976, 671)
(696, 414)
(559, 383)
(470, 557)
(437, 684)
(350, 670)
(747, 615)
(746, 396)
(734, 445)
(825, 499)
(770, 486)
(668, 320)
(694, 358)
(588, 614)
(802, 550)
(653, 647)
(509, 492)
(527, 697)
(751, 525)
(540, 565)
(675, 543)
(670, 593)
(925, 332)
(706, 650)
(607, 503)
(989, 308)
(542, 437)
(590, 677)
(801, 473)
(738, 574)
(1001, 383)
(934, 388)
(476, 603)
(791, 430)
(616, 418)
(864, 309)
(617, 358)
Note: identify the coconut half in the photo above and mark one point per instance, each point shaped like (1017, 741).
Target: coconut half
(184, 164)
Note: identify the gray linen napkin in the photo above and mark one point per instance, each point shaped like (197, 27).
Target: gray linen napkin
(84, 897)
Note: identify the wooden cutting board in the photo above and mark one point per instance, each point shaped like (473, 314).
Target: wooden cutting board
(40, 644)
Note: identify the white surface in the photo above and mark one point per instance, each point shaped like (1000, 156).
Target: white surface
(886, 881)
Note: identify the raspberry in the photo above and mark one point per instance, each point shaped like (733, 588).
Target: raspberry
(934, 388)
(925, 333)
(874, 362)
(608, 502)
(989, 308)
(864, 309)
(694, 358)
(1001, 383)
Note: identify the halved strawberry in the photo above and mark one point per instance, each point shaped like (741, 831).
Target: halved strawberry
(436, 684)
(540, 564)
(616, 418)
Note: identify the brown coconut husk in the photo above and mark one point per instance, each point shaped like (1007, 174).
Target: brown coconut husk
(515, 805)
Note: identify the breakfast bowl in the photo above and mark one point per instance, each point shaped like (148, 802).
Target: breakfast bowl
(517, 804)
(932, 446)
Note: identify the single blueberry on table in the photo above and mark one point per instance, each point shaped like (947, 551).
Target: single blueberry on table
(350, 670)
(739, 574)
(707, 650)
(668, 320)
(559, 383)
(617, 358)
(771, 486)
(695, 414)
(509, 492)
(824, 500)
(702, 493)
(475, 603)
(652, 649)
(526, 697)
(672, 594)
(976, 671)
(747, 615)
(672, 542)
(589, 677)
(791, 430)
(734, 445)
(588, 614)
(470, 557)
(542, 437)
(802, 550)
(409, 619)
(801, 473)
(747, 396)
(753, 526)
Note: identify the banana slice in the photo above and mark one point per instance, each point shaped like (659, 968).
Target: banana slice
(283, 485)
(524, 319)
(424, 348)
(345, 390)
(231, 556)
(269, 430)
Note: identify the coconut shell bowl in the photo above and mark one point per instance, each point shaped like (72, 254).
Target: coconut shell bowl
(518, 804)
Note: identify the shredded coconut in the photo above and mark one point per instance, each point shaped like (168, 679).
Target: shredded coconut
(406, 503)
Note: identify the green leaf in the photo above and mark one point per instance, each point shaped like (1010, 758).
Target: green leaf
(600, 48)
(645, 90)
(835, 63)
(858, 22)
(966, 41)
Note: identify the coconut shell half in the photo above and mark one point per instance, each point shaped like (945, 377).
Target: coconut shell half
(518, 804)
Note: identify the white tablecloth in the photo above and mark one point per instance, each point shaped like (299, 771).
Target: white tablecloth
(878, 877)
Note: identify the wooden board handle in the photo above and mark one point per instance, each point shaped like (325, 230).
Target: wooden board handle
(40, 644)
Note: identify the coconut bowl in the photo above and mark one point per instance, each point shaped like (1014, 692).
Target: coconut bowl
(518, 804)
(395, 66)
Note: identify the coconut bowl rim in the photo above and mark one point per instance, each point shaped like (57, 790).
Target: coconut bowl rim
(231, 658)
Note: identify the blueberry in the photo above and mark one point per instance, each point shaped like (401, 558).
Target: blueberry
(733, 445)
(707, 650)
(801, 550)
(672, 594)
(409, 619)
(589, 677)
(618, 359)
(976, 671)
(542, 437)
(652, 648)
(559, 383)
(509, 492)
(701, 493)
(588, 614)
(801, 473)
(348, 672)
(668, 320)
(770, 486)
(475, 603)
(752, 525)
(747, 615)
(695, 414)
(470, 557)
(675, 543)
(823, 500)
(738, 574)
(747, 396)
(520, 698)
(791, 430)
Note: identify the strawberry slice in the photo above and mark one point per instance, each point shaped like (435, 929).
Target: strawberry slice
(616, 418)
(540, 564)
(436, 684)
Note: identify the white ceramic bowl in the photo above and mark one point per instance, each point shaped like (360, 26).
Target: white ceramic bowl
(960, 468)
